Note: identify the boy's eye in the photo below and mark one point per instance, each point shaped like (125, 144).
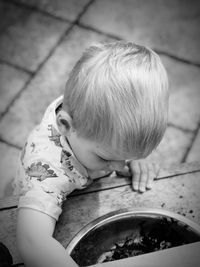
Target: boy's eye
(102, 159)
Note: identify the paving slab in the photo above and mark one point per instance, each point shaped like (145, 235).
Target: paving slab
(184, 80)
(194, 153)
(27, 37)
(8, 164)
(170, 26)
(12, 81)
(69, 9)
(27, 111)
(172, 147)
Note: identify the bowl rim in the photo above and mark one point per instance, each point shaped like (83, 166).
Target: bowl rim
(125, 213)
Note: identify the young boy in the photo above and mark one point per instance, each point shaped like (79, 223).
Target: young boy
(114, 111)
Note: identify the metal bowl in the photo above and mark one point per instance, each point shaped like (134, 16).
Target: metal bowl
(99, 236)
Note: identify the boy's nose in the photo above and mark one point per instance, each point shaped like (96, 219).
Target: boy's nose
(117, 165)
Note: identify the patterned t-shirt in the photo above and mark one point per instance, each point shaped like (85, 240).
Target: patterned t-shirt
(48, 170)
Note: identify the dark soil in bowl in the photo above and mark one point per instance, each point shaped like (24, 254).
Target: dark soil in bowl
(161, 236)
(131, 237)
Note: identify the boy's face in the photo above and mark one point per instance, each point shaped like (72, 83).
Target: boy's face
(94, 156)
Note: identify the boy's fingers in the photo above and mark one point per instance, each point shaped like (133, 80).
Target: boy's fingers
(151, 176)
(143, 177)
(135, 169)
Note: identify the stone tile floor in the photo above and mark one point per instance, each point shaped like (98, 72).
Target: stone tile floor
(41, 40)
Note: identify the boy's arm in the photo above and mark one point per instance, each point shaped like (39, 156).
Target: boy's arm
(35, 242)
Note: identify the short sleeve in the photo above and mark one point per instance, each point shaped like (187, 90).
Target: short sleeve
(46, 188)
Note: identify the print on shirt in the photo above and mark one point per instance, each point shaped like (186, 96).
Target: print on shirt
(40, 171)
(65, 161)
(33, 146)
(54, 135)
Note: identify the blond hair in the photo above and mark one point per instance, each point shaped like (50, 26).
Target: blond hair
(117, 94)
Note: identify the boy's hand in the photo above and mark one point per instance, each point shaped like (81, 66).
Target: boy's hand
(143, 173)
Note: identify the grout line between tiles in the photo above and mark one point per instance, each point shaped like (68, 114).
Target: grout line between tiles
(178, 127)
(191, 144)
(177, 58)
(10, 144)
(17, 67)
(36, 10)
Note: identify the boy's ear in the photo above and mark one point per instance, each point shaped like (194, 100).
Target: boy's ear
(64, 122)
